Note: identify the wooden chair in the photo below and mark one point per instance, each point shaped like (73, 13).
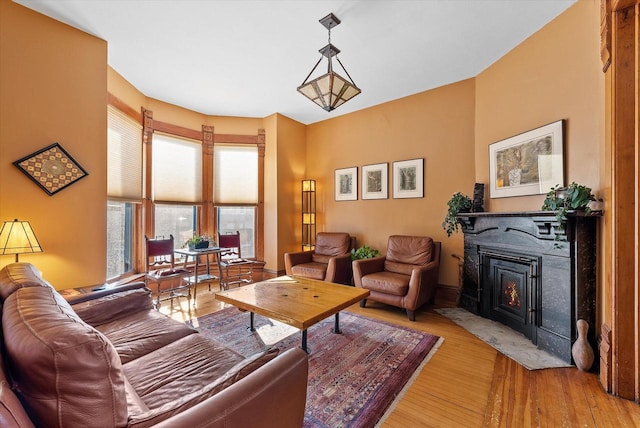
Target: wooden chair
(233, 268)
(160, 269)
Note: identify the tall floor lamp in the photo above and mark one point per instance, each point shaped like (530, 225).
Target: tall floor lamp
(17, 237)
(308, 215)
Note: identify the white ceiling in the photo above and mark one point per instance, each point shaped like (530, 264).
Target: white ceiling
(246, 58)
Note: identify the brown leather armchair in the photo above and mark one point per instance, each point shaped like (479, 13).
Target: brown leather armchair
(330, 261)
(406, 277)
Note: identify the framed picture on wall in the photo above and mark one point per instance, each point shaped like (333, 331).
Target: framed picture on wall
(408, 179)
(346, 184)
(375, 181)
(530, 163)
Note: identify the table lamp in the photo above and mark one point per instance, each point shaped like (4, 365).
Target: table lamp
(17, 237)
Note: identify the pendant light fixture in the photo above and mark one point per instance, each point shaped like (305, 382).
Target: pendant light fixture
(330, 90)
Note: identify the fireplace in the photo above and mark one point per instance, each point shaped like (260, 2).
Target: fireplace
(527, 272)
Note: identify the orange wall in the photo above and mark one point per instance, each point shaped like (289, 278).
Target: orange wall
(436, 125)
(53, 88)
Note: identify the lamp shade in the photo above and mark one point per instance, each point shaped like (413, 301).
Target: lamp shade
(329, 91)
(17, 237)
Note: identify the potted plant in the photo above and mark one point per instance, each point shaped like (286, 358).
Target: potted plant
(566, 199)
(459, 203)
(198, 242)
(364, 252)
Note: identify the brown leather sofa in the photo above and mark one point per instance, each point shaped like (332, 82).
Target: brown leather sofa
(407, 277)
(330, 260)
(111, 360)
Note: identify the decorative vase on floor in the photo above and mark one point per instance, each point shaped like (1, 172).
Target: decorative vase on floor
(581, 349)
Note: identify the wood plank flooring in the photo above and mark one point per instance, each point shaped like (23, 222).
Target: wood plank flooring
(467, 383)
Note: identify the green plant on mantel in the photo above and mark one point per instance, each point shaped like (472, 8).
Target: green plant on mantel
(364, 252)
(459, 203)
(565, 199)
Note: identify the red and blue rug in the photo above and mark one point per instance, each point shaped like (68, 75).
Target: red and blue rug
(353, 377)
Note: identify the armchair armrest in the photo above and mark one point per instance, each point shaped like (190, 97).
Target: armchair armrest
(339, 269)
(292, 259)
(364, 267)
(422, 285)
(272, 396)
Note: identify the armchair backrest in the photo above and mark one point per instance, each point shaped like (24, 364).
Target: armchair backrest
(331, 244)
(404, 252)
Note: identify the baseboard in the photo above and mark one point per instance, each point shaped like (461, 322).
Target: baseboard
(447, 295)
(269, 274)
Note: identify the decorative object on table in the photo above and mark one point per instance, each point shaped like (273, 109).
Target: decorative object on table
(375, 181)
(408, 179)
(17, 237)
(581, 350)
(459, 203)
(565, 199)
(346, 184)
(478, 198)
(308, 215)
(528, 163)
(330, 90)
(51, 168)
(364, 252)
(199, 242)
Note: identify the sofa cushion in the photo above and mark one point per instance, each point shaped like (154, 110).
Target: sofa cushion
(311, 270)
(65, 371)
(332, 243)
(183, 374)
(143, 332)
(20, 275)
(387, 282)
(413, 250)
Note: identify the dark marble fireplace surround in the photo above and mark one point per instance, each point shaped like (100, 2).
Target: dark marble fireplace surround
(526, 271)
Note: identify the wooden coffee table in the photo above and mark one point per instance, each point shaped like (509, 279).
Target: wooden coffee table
(293, 300)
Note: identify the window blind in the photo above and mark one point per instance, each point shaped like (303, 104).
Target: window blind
(176, 169)
(124, 157)
(235, 174)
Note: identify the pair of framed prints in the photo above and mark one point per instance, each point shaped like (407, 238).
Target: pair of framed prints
(408, 181)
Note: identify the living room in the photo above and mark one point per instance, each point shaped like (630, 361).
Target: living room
(51, 93)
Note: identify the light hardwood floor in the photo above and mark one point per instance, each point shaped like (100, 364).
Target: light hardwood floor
(469, 384)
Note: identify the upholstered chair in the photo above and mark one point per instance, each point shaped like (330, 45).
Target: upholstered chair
(330, 260)
(406, 277)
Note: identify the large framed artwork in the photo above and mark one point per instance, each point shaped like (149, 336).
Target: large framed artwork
(346, 184)
(530, 163)
(51, 168)
(408, 179)
(375, 181)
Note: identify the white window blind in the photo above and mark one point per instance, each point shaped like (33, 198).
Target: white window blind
(176, 169)
(124, 157)
(235, 174)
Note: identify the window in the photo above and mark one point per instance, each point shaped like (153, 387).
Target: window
(176, 220)
(124, 189)
(236, 192)
(243, 220)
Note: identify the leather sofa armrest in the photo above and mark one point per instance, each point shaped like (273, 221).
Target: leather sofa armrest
(273, 396)
(364, 267)
(111, 306)
(101, 292)
(339, 269)
(292, 259)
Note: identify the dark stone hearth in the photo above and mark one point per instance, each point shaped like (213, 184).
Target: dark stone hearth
(526, 271)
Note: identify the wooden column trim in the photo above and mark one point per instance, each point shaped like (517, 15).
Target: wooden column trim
(147, 206)
(207, 218)
(260, 208)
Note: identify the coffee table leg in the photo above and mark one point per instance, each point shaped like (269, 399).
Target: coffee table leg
(304, 341)
(252, 327)
(336, 327)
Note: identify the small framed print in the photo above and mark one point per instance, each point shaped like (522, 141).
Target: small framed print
(346, 184)
(408, 179)
(375, 181)
(51, 168)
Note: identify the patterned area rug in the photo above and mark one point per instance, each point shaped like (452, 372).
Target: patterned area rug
(511, 343)
(354, 377)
